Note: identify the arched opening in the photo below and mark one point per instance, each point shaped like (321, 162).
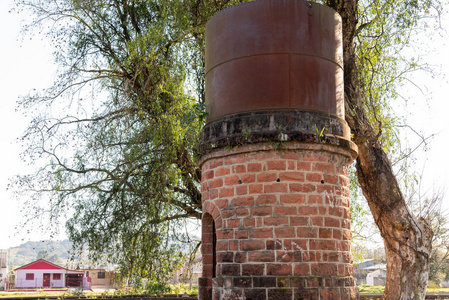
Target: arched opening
(208, 252)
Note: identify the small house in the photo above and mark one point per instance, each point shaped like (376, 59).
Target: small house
(362, 269)
(101, 279)
(377, 277)
(44, 274)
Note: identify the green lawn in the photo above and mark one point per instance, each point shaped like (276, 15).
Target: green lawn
(19, 294)
(174, 289)
(183, 288)
(365, 288)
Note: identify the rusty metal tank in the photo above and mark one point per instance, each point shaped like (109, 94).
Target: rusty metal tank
(274, 55)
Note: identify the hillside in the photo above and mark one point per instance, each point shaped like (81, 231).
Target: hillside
(53, 251)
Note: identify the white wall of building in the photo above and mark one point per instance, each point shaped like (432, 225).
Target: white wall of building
(371, 277)
(22, 282)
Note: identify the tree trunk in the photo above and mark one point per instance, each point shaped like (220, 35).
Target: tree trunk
(407, 239)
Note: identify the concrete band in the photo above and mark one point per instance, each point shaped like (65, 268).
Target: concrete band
(277, 126)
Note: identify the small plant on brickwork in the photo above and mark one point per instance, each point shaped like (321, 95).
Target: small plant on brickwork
(246, 134)
(319, 133)
(282, 138)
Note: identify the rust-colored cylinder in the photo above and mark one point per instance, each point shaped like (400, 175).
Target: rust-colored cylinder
(274, 55)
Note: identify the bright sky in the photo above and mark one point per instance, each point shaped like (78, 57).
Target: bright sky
(27, 64)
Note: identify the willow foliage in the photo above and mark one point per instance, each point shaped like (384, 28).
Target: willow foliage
(119, 128)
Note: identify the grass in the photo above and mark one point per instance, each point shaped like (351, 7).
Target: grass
(18, 294)
(366, 288)
(183, 288)
(438, 290)
(38, 290)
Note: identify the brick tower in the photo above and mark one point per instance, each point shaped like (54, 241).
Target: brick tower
(275, 188)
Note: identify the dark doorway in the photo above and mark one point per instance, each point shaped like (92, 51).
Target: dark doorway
(209, 256)
(214, 251)
(46, 280)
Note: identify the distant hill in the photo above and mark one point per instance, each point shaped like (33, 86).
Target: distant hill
(53, 251)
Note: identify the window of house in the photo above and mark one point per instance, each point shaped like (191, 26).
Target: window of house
(29, 276)
(1, 275)
(101, 275)
(56, 276)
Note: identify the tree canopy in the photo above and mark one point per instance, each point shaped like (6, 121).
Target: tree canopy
(119, 129)
(121, 163)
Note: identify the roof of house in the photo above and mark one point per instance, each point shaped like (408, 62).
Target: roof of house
(42, 264)
(377, 267)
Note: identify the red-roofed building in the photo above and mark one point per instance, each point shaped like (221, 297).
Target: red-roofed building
(44, 274)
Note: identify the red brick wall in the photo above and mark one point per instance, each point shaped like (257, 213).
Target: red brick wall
(282, 221)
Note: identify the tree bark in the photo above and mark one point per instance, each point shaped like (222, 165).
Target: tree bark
(407, 239)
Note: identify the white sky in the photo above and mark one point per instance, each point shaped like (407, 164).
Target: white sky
(24, 65)
(27, 64)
